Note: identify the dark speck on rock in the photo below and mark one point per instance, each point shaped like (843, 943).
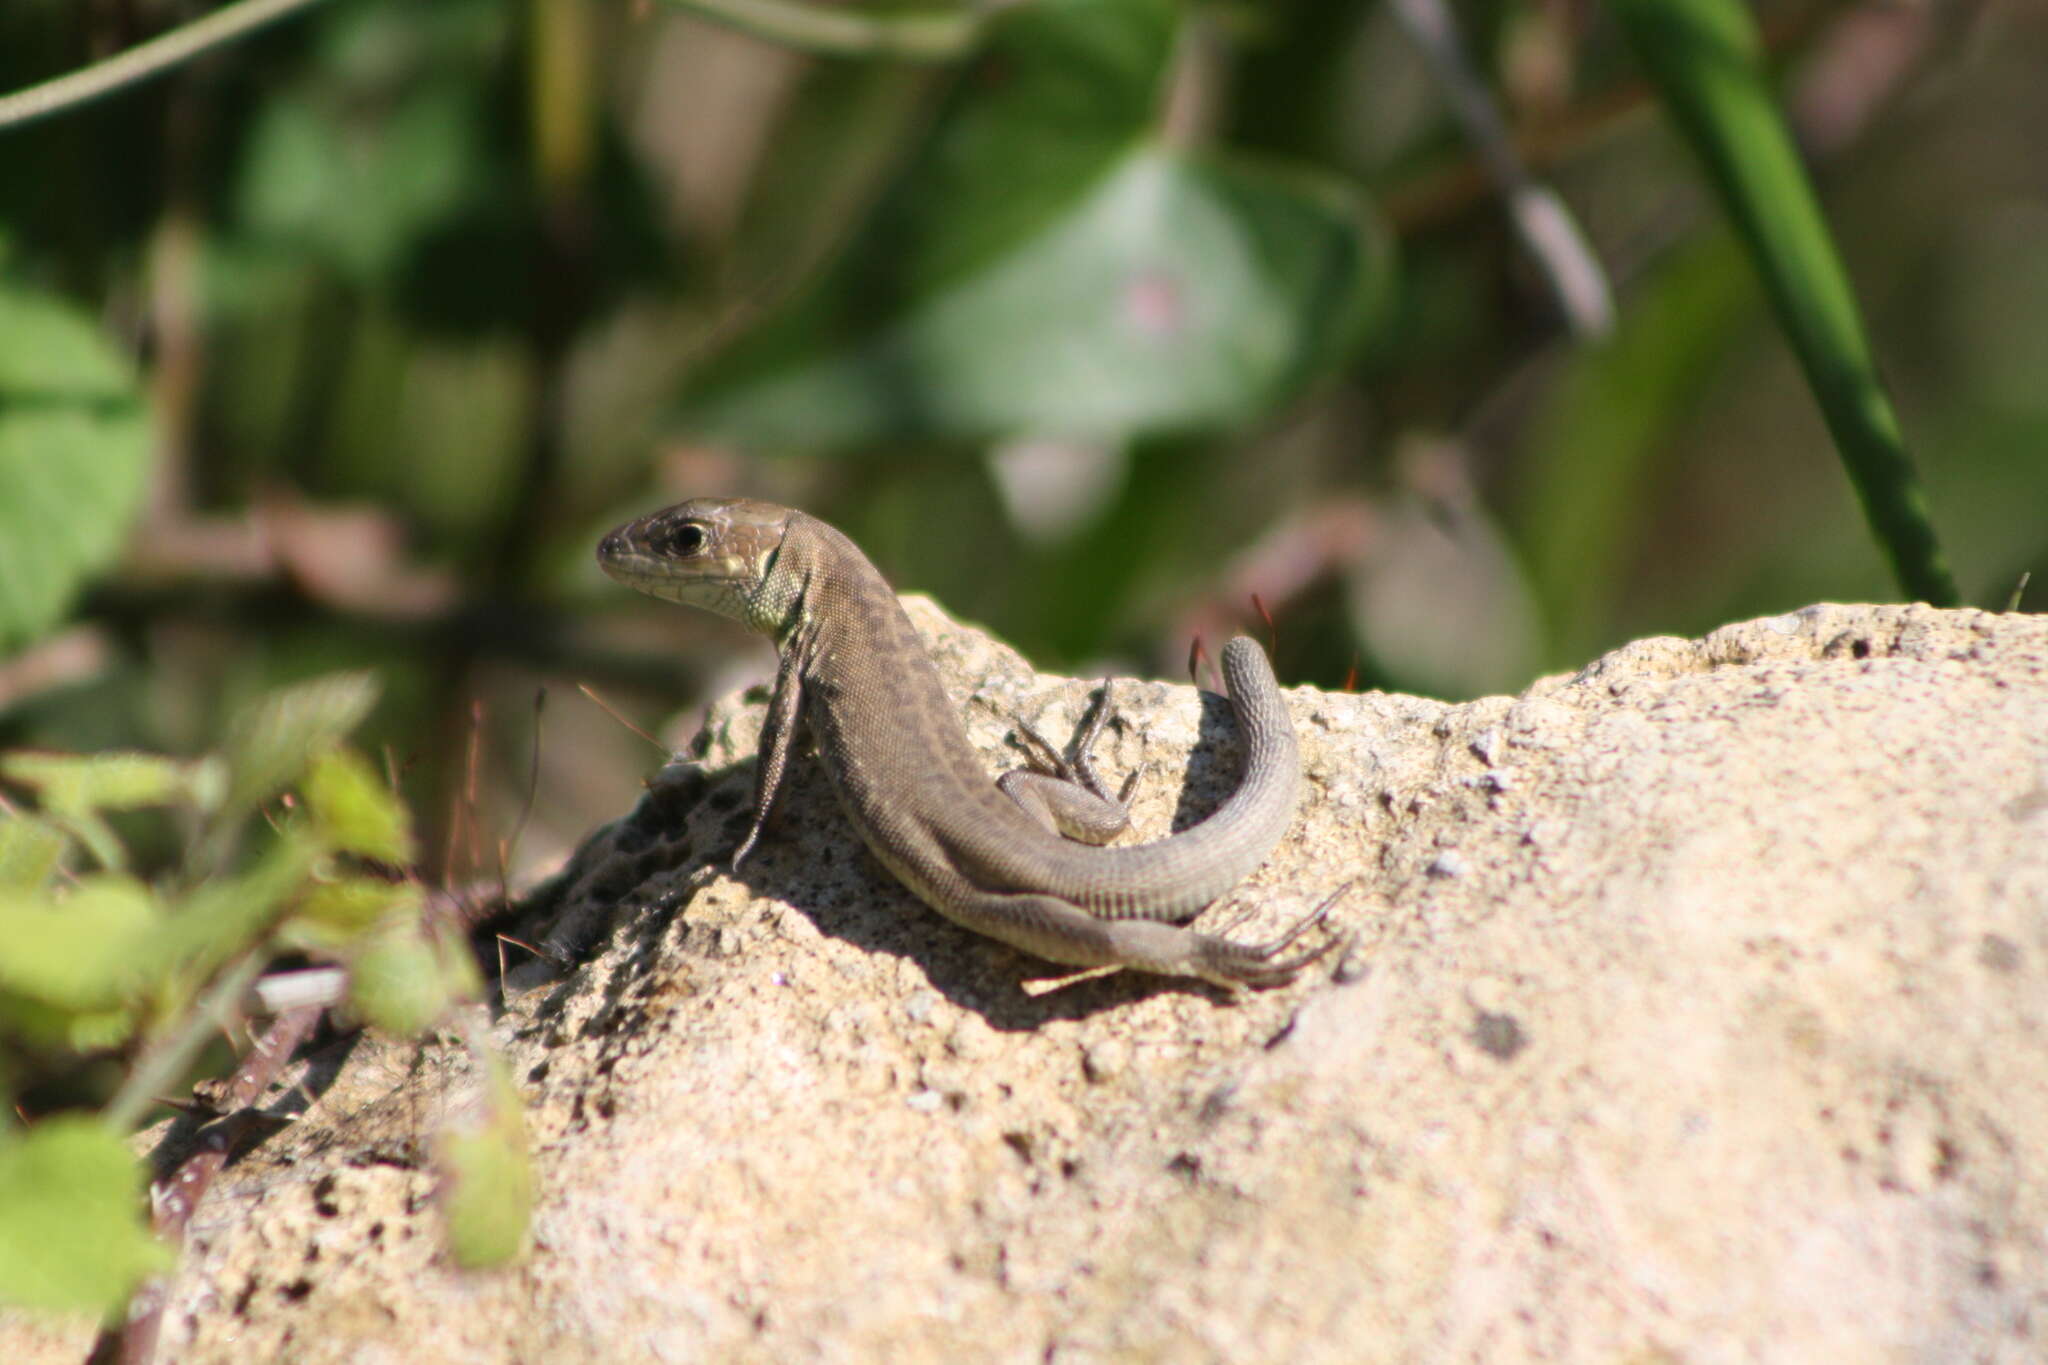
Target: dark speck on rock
(1499, 1035)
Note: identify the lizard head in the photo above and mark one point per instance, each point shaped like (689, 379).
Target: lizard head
(714, 553)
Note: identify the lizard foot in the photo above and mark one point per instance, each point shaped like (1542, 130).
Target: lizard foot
(1253, 966)
(1080, 770)
(1064, 794)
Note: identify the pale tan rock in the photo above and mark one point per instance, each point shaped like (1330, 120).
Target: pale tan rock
(1699, 1011)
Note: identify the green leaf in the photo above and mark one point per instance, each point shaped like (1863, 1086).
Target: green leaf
(30, 850)
(74, 1235)
(71, 784)
(385, 135)
(1703, 57)
(355, 187)
(399, 982)
(229, 914)
(100, 1030)
(1178, 295)
(1048, 265)
(33, 1027)
(1062, 90)
(75, 788)
(272, 743)
(487, 1178)
(355, 811)
(335, 914)
(82, 949)
(74, 447)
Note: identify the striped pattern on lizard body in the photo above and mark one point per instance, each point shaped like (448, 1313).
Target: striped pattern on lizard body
(989, 856)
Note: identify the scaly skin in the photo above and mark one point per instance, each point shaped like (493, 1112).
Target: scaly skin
(987, 856)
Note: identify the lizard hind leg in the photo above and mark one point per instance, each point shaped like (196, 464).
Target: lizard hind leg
(1053, 929)
(1148, 945)
(1065, 795)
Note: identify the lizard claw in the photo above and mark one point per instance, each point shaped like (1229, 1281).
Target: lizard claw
(1041, 753)
(1080, 769)
(1251, 966)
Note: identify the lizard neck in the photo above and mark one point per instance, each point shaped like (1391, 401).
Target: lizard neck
(818, 580)
(785, 598)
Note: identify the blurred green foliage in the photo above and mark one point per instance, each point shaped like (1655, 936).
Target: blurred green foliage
(336, 350)
(507, 272)
(72, 1238)
(96, 962)
(74, 450)
(1049, 261)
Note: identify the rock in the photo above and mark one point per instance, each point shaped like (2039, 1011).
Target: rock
(1698, 1010)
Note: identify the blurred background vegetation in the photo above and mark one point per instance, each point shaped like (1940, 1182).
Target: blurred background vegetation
(1453, 339)
(340, 347)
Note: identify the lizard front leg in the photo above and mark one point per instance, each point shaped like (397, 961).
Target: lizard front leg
(778, 735)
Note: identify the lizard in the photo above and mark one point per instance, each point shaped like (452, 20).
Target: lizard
(1009, 859)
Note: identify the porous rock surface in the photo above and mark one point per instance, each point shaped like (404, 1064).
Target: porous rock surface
(1697, 1011)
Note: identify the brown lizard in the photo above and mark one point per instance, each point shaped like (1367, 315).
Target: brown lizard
(987, 856)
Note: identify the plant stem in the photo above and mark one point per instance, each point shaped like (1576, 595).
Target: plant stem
(163, 1064)
(142, 61)
(939, 36)
(1705, 57)
(179, 1193)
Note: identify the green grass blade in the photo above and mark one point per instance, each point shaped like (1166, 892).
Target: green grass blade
(1703, 57)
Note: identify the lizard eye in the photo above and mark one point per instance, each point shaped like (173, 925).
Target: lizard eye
(684, 540)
